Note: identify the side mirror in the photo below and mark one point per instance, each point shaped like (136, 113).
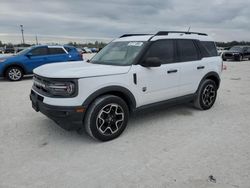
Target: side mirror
(29, 54)
(152, 62)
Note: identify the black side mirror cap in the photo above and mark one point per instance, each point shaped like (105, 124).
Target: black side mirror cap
(152, 62)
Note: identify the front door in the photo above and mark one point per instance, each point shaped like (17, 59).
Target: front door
(36, 57)
(157, 84)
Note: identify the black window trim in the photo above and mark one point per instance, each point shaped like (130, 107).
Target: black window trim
(49, 47)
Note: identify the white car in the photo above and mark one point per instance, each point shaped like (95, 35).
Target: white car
(131, 73)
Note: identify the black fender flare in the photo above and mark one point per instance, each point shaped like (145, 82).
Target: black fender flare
(120, 91)
(210, 74)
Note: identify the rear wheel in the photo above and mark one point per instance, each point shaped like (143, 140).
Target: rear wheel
(14, 73)
(106, 118)
(206, 95)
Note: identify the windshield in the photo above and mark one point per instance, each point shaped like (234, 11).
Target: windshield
(118, 53)
(236, 49)
(24, 51)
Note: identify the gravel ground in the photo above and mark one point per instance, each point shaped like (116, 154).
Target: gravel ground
(176, 147)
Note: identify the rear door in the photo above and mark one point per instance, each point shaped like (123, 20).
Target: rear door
(57, 54)
(193, 67)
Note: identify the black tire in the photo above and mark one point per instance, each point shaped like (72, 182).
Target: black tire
(106, 118)
(206, 95)
(224, 59)
(14, 73)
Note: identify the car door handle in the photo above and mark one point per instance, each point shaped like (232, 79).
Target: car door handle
(200, 67)
(172, 71)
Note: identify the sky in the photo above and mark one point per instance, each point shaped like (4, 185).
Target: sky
(61, 21)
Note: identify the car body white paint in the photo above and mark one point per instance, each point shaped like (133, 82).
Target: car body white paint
(159, 85)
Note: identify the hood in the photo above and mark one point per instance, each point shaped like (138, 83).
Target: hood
(7, 56)
(78, 69)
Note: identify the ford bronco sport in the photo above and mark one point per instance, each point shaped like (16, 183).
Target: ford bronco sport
(132, 72)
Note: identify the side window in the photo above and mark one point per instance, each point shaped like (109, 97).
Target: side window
(55, 51)
(162, 49)
(187, 50)
(39, 51)
(210, 47)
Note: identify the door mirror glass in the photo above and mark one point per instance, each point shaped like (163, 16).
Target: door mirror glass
(152, 62)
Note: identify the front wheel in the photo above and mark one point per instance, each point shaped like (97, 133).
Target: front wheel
(106, 118)
(206, 95)
(14, 73)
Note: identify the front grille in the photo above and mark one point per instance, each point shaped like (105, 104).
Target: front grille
(40, 85)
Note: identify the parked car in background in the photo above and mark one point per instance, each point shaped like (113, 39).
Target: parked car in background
(1, 50)
(16, 66)
(221, 50)
(19, 49)
(237, 53)
(9, 50)
(94, 50)
(86, 50)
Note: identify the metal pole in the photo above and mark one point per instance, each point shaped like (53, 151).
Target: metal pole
(36, 40)
(22, 33)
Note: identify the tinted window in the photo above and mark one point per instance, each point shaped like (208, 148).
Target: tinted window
(187, 50)
(211, 47)
(203, 50)
(39, 51)
(162, 49)
(54, 51)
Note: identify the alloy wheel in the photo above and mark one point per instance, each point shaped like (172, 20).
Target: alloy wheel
(15, 74)
(208, 95)
(110, 119)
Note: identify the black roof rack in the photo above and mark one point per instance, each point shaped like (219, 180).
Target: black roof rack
(183, 32)
(130, 35)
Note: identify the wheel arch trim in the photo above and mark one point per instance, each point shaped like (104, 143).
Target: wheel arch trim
(209, 75)
(16, 64)
(115, 90)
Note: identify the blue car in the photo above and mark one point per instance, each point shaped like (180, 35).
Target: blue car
(16, 66)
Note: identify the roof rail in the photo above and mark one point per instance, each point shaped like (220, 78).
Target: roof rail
(183, 32)
(130, 35)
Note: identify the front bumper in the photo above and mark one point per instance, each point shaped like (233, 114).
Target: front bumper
(69, 118)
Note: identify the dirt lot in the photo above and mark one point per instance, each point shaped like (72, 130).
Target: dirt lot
(176, 147)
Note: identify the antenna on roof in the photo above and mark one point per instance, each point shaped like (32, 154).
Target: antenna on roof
(189, 28)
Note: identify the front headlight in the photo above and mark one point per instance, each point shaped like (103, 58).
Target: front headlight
(64, 89)
(2, 60)
(55, 88)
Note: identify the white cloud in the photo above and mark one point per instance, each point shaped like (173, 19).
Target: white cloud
(225, 20)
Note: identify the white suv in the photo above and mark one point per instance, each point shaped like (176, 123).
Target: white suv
(132, 72)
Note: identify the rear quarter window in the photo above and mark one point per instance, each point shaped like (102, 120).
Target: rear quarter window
(54, 51)
(210, 48)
